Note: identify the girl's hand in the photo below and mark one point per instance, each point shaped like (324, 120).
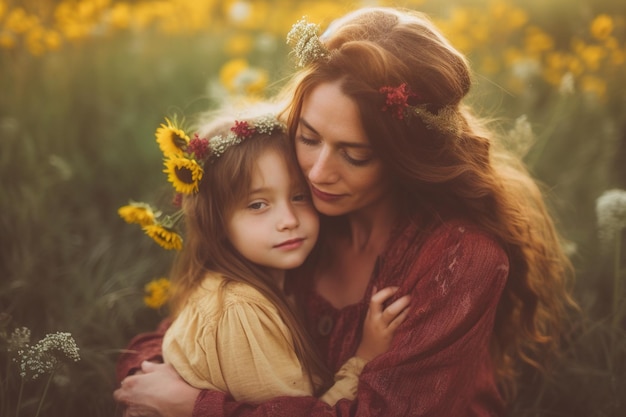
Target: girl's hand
(380, 323)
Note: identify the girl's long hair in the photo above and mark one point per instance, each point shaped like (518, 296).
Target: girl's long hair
(466, 174)
(225, 183)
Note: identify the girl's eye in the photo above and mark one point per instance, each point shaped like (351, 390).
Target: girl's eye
(301, 197)
(257, 205)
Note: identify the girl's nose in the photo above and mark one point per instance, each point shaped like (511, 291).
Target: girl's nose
(288, 218)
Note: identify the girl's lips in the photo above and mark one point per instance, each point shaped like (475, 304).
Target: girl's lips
(290, 244)
(324, 196)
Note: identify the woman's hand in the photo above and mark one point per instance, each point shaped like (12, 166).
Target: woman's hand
(156, 391)
(381, 323)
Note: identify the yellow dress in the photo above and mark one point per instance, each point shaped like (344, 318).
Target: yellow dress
(235, 341)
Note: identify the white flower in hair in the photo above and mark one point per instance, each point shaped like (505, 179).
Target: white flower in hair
(306, 43)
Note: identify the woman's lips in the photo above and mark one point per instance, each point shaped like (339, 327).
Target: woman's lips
(324, 196)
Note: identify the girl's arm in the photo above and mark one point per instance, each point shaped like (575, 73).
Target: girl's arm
(378, 329)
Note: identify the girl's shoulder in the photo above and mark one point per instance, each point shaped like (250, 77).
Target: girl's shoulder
(228, 291)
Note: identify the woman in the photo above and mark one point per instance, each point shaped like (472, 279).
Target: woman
(414, 193)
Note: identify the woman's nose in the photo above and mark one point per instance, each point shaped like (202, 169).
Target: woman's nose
(322, 170)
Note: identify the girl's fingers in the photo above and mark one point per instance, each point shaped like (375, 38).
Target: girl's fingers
(396, 308)
(380, 296)
(397, 321)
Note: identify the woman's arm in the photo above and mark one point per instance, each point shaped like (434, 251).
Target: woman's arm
(439, 363)
(143, 347)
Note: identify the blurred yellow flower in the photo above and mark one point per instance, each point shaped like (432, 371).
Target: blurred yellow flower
(490, 65)
(593, 85)
(238, 45)
(34, 40)
(52, 39)
(157, 293)
(167, 238)
(3, 8)
(241, 79)
(537, 41)
(18, 21)
(120, 16)
(601, 27)
(7, 40)
(592, 55)
(139, 213)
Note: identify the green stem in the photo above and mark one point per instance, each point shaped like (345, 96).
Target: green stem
(45, 391)
(19, 399)
(617, 282)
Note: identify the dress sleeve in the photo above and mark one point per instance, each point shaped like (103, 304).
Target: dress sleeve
(346, 381)
(143, 347)
(256, 355)
(439, 362)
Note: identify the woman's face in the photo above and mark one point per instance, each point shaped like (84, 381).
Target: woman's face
(343, 172)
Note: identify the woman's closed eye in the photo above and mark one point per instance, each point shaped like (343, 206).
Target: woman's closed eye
(356, 160)
(307, 141)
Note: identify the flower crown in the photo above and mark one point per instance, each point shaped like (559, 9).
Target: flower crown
(446, 120)
(184, 159)
(308, 48)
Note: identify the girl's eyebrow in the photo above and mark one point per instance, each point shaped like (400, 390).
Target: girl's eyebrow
(340, 143)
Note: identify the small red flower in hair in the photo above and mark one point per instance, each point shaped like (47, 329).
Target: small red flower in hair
(242, 129)
(199, 147)
(177, 201)
(397, 99)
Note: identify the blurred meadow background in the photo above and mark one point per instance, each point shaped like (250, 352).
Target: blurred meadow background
(85, 83)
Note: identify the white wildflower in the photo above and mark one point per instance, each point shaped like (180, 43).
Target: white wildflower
(47, 355)
(521, 137)
(611, 212)
(19, 339)
(566, 86)
(306, 45)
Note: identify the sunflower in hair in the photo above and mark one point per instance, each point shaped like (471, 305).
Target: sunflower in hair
(183, 173)
(172, 139)
(165, 236)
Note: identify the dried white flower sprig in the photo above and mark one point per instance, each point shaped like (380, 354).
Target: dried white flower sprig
(47, 355)
(611, 212)
(305, 42)
(19, 339)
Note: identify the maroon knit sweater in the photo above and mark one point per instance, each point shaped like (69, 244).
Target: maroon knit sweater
(439, 363)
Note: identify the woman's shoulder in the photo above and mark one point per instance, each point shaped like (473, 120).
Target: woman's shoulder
(448, 230)
(459, 238)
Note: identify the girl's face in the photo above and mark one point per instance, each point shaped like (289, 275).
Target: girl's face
(335, 155)
(276, 226)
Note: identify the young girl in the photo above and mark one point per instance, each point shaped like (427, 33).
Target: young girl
(249, 218)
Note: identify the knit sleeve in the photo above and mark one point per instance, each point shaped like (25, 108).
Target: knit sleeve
(439, 362)
(143, 347)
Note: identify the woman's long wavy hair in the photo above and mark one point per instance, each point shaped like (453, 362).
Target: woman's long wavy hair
(225, 184)
(440, 174)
